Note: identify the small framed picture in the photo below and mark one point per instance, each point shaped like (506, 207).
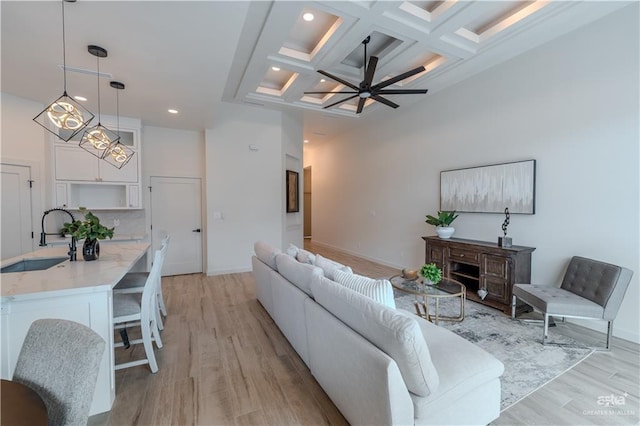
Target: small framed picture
(293, 203)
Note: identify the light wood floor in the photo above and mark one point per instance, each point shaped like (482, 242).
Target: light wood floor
(224, 362)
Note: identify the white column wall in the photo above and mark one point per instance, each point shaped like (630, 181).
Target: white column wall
(243, 185)
(571, 104)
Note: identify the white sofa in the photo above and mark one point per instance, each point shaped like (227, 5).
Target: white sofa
(378, 365)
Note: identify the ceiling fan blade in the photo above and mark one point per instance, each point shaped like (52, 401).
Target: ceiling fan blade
(401, 91)
(339, 80)
(397, 78)
(360, 105)
(339, 102)
(322, 93)
(371, 69)
(384, 101)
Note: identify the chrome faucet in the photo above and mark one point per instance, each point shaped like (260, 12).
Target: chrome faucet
(43, 235)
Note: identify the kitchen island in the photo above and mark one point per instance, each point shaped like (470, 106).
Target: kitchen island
(78, 291)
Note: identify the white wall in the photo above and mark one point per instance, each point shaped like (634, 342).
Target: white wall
(571, 104)
(244, 186)
(292, 150)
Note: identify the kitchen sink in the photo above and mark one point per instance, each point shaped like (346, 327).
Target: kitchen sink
(39, 264)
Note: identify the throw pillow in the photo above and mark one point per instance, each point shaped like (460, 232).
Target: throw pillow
(302, 275)
(292, 250)
(392, 331)
(329, 267)
(305, 256)
(379, 290)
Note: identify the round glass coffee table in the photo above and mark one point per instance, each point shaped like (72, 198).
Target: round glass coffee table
(445, 289)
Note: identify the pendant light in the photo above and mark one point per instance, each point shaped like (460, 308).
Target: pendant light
(98, 138)
(67, 116)
(117, 154)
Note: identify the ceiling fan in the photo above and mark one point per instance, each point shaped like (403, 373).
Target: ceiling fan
(365, 90)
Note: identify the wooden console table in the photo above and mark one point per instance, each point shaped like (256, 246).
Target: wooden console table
(481, 265)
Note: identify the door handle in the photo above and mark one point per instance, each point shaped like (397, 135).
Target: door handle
(196, 230)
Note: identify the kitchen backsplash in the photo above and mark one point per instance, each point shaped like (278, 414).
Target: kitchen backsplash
(130, 221)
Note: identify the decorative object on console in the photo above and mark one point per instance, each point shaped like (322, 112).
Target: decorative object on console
(117, 154)
(97, 139)
(293, 204)
(505, 241)
(487, 189)
(64, 113)
(91, 230)
(443, 223)
(431, 273)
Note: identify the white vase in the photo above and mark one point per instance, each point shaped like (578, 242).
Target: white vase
(445, 232)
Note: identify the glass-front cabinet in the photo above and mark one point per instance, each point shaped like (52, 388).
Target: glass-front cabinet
(83, 180)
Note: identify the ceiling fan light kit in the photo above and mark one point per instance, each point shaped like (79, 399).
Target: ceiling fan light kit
(66, 115)
(97, 139)
(366, 90)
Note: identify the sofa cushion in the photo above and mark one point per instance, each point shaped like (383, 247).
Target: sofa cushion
(396, 334)
(329, 266)
(266, 253)
(379, 290)
(302, 275)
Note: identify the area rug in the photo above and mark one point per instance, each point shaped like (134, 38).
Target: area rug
(528, 364)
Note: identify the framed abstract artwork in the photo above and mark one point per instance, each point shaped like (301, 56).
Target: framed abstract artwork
(293, 203)
(490, 189)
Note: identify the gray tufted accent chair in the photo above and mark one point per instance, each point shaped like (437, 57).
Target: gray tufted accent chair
(590, 289)
(60, 360)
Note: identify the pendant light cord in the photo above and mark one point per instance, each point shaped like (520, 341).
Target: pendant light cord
(118, 110)
(98, 67)
(64, 52)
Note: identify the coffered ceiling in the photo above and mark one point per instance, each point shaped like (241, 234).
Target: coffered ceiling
(191, 55)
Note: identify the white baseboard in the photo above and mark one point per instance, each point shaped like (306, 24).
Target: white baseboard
(227, 271)
(353, 253)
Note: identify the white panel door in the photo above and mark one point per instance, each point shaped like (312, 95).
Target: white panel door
(16, 211)
(176, 210)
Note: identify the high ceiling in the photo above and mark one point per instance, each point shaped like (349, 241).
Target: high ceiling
(191, 55)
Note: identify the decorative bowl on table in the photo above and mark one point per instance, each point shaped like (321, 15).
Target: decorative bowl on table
(410, 274)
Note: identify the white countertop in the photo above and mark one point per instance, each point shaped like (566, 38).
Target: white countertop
(79, 276)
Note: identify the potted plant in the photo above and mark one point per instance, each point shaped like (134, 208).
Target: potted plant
(91, 230)
(431, 274)
(443, 223)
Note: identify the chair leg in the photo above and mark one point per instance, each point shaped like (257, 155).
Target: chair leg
(545, 329)
(159, 318)
(609, 334)
(161, 304)
(148, 346)
(513, 307)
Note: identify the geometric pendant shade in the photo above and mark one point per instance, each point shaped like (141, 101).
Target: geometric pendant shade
(64, 113)
(117, 154)
(98, 138)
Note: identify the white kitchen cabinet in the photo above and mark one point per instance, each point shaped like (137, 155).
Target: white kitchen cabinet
(76, 164)
(81, 179)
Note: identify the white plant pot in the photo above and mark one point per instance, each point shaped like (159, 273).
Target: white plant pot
(445, 232)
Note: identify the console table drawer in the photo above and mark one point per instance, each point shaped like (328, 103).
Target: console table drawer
(466, 256)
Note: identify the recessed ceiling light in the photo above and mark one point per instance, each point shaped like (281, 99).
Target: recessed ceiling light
(308, 17)
(80, 98)
(173, 111)
(275, 68)
(306, 141)
(322, 80)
